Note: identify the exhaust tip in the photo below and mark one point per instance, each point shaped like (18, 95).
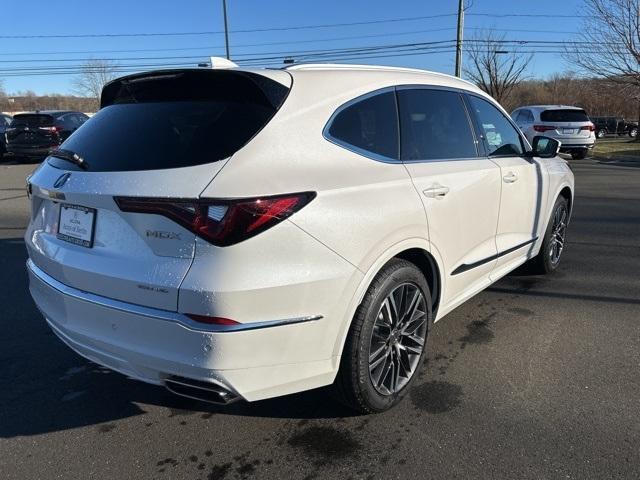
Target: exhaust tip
(199, 390)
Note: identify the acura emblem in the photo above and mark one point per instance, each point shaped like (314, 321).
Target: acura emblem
(62, 179)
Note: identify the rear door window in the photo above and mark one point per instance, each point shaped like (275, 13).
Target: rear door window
(179, 119)
(434, 125)
(564, 115)
(80, 119)
(32, 120)
(500, 136)
(368, 126)
(525, 116)
(66, 121)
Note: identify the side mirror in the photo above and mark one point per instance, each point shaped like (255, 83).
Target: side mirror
(545, 147)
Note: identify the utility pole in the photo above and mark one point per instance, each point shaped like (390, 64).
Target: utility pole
(226, 29)
(459, 39)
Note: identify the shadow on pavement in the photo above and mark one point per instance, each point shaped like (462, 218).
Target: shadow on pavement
(620, 162)
(46, 387)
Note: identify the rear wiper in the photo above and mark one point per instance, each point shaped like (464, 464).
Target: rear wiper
(69, 156)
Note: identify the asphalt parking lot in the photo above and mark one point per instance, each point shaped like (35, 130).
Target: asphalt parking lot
(534, 378)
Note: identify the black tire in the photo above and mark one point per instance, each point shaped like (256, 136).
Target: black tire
(545, 263)
(579, 154)
(354, 384)
(601, 133)
(633, 133)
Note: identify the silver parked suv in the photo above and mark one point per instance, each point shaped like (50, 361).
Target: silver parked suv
(569, 125)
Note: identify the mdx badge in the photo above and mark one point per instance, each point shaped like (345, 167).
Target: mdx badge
(163, 235)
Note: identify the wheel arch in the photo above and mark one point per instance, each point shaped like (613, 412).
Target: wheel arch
(421, 253)
(568, 195)
(427, 264)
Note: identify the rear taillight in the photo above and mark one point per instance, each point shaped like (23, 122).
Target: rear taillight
(591, 127)
(543, 128)
(221, 222)
(50, 129)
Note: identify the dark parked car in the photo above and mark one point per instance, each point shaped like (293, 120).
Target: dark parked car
(614, 126)
(5, 120)
(34, 134)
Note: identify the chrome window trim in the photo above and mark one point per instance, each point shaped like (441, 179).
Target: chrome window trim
(156, 313)
(396, 88)
(460, 92)
(352, 148)
(523, 140)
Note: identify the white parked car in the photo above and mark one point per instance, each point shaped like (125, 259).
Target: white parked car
(569, 125)
(244, 234)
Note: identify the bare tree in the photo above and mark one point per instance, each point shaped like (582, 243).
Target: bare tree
(610, 44)
(95, 74)
(493, 68)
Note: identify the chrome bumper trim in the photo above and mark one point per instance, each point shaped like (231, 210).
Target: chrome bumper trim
(157, 313)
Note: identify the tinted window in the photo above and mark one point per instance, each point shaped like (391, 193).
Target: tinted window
(564, 115)
(500, 135)
(434, 125)
(80, 118)
(370, 124)
(524, 116)
(32, 120)
(66, 122)
(172, 121)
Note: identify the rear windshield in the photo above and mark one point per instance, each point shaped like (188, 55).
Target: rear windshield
(172, 120)
(32, 120)
(564, 115)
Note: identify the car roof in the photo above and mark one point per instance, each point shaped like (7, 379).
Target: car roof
(550, 107)
(426, 76)
(53, 113)
(336, 78)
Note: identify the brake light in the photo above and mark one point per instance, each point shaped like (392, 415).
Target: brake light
(221, 222)
(50, 129)
(211, 320)
(543, 128)
(591, 127)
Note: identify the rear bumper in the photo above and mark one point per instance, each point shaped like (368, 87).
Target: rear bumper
(27, 151)
(152, 345)
(565, 147)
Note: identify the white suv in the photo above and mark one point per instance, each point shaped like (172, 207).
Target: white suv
(569, 125)
(243, 234)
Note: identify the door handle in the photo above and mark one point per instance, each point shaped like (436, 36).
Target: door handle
(436, 191)
(510, 177)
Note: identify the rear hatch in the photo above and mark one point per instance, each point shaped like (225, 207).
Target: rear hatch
(32, 130)
(568, 123)
(162, 135)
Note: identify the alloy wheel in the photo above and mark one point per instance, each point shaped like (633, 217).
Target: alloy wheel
(558, 232)
(398, 338)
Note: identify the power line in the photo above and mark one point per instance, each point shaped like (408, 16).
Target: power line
(74, 70)
(218, 32)
(290, 28)
(262, 55)
(275, 55)
(210, 47)
(526, 15)
(288, 42)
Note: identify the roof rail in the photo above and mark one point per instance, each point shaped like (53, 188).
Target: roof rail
(382, 68)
